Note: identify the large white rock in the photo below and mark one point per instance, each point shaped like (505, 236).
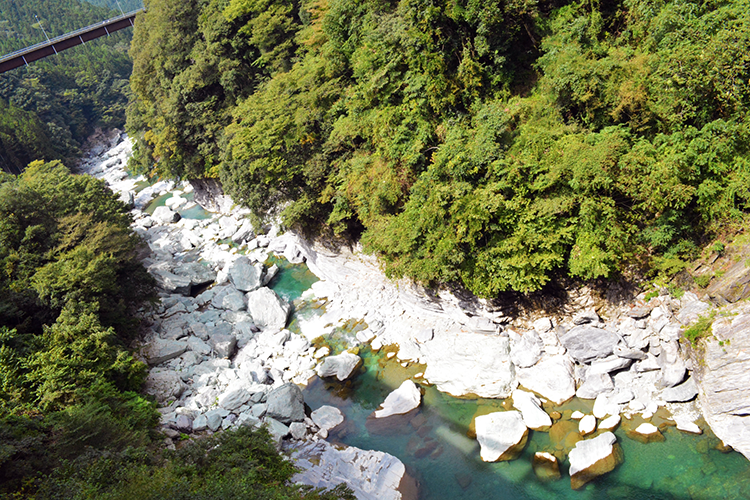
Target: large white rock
(268, 309)
(526, 349)
(244, 275)
(587, 425)
(595, 384)
(286, 404)
(462, 363)
(164, 385)
(531, 410)
(552, 378)
(681, 393)
(603, 407)
(724, 380)
(585, 343)
(672, 363)
(402, 400)
(234, 398)
(501, 435)
(340, 366)
(165, 215)
(159, 351)
(591, 458)
(609, 423)
(372, 475)
(327, 417)
(198, 273)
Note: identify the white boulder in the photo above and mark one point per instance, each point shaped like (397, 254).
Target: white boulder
(340, 366)
(404, 399)
(501, 435)
(531, 410)
(591, 458)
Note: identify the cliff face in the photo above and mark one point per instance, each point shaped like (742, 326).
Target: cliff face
(723, 374)
(210, 195)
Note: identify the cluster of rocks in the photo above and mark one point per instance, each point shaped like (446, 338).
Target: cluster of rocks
(217, 344)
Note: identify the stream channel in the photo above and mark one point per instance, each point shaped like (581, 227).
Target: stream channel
(434, 444)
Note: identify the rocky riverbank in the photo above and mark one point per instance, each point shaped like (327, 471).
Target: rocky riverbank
(221, 355)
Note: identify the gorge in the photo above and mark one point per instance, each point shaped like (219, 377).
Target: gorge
(627, 363)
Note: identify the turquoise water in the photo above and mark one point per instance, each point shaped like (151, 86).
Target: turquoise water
(434, 444)
(196, 212)
(292, 279)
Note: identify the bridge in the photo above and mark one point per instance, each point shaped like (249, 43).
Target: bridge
(66, 41)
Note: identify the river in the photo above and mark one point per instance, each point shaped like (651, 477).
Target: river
(434, 445)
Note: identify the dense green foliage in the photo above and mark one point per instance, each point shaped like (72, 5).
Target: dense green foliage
(237, 465)
(495, 144)
(72, 422)
(69, 287)
(49, 108)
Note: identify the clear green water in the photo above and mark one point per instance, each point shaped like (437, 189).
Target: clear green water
(195, 212)
(292, 279)
(433, 443)
(157, 202)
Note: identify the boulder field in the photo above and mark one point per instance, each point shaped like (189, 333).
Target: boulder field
(222, 356)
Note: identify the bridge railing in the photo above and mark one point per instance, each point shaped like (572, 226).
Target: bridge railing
(71, 34)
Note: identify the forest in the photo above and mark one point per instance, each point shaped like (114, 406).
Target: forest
(73, 423)
(494, 145)
(48, 109)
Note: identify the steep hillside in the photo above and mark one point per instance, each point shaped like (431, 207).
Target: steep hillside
(497, 146)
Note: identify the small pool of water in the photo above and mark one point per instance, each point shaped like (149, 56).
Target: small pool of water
(157, 202)
(194, 212)
(292, 279)
(434, 444)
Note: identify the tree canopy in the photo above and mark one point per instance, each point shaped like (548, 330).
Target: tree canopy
(491, 144)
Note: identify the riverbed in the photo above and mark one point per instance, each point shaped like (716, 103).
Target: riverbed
(434, 443)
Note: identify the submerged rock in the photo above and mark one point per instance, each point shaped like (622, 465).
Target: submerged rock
(501, 435)
(403, 400)
(591, 458)
(546, 466)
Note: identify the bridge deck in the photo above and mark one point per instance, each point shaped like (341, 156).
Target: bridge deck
(66, 41)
